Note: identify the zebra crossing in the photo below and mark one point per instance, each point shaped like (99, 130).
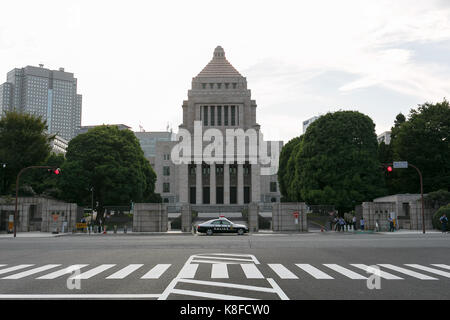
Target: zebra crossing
(226, 268)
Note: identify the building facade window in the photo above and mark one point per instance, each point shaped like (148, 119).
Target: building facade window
(273, 187)
(166, 187)
(166, 171)
(219, 115)
(233, 115)
(225, 115)
(205, 115)
(212, 115)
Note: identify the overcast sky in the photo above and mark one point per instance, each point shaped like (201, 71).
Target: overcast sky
(135, 60)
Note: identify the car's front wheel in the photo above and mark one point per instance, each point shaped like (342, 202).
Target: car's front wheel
(240, 232)
(209, 232)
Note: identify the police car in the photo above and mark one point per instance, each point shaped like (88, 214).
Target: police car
(221, 225)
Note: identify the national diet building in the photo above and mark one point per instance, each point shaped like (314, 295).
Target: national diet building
(224, 158)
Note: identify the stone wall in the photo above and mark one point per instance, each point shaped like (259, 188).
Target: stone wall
(186, 218)
(416, 221)
(253, 212)
(150, 217)
(283, 217)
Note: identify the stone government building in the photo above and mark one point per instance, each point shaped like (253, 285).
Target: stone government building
(220, 99)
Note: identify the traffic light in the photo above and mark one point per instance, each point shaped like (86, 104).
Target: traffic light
(54, 171)
(389, 169)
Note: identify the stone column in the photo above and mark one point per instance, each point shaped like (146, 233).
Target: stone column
(226, 183)
(240, 184)
(183, 183)
(256, 183)
(212, 184)
(198, 184)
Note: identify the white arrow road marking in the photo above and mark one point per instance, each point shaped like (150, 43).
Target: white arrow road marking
(282, 271)
(20, 266)
(431, 270)
(62, 272)
(219, 271)
(346, 272)
(32, 271)
(383, 274)
(93, 272)
(122, 273)
(316, 273)
(156, 271)
(408, 272)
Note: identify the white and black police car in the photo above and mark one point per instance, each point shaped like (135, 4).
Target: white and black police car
(221, 225)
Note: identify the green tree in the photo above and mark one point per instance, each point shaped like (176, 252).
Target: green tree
(423, 140)
(23, 142)
(284, 174)
(112, 162)
(337, 163)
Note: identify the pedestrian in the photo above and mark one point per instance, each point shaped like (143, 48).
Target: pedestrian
(354, 223)
(444, 221)
(336, 224)
(341, 224)
(361, 223)
(391, 224)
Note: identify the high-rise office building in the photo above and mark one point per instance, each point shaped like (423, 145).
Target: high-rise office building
(51, 94)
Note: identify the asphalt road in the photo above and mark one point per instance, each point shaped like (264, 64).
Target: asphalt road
(258, 266)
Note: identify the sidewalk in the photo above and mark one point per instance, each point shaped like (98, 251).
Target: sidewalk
(31, 234)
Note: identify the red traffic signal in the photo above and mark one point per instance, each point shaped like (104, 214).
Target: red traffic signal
(56, 171)
(389, 169)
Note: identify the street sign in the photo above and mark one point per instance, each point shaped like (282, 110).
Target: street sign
(400, 164)
(81, 225)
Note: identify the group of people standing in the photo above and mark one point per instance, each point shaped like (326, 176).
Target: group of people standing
(340, 224)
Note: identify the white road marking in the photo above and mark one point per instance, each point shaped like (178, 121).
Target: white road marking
(408, 272)
(93, 272)
(383, 274)
(443, 266)
(251, 271)
(62, 272)
(346, 272)
(277, 289)
(156, 271)
(78, 296)
(282, 271)
(431, 270)
(208, 295)
(250, 256)
(122, 273)
(316, 273)
(32, 271)
(219, 271)
(188, 271)
(215, 261)
(20, 266)
(228, 285)
(223, 258)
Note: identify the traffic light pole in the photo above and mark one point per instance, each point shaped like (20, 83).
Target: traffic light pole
(17, 190)
(421, 195)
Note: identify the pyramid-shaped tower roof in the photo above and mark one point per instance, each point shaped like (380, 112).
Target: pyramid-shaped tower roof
(219, 66)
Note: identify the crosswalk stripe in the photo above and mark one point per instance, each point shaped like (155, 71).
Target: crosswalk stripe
(156, 271)
(431, 270)
(346, 272)
(2, 265)
(408, 272)
(20, 266)
(219, 271)
(316, 273)
(188, 271)
(443, 266)
(251, 271)
(282, 271)
(90, 273)
(62, 272)
(383, 274)
(32, 271)
(122, 273)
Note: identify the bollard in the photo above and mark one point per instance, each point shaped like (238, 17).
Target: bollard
(115, 228)
(125, 229)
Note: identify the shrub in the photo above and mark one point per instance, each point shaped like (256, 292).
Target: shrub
(436, 222)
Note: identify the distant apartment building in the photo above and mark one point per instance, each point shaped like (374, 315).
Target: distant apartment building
(308, 122)
(384, 137)
(59, 145)
(51, 94)
(148, 142)
(84, 129)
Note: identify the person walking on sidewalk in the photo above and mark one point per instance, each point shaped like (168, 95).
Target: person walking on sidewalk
(444, 221)
(354, 223)
(342, 224)
(361, 223)
(391, 225)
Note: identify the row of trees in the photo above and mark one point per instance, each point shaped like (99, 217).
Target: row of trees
(339, 162)
(105, 158)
